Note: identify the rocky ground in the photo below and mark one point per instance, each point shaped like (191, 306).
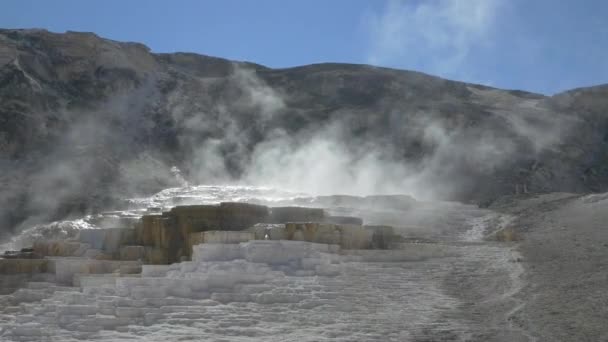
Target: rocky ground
(448, 281)
(564, 251)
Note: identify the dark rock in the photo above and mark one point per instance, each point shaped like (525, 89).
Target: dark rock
(22, 254)
(89, 128)
(295, 214)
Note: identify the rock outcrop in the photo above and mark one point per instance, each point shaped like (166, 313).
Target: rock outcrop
(86, 121)
(173, 236)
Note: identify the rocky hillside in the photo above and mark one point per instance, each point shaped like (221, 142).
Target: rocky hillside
(85, 121)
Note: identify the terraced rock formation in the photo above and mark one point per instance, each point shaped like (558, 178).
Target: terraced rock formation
(431, 277)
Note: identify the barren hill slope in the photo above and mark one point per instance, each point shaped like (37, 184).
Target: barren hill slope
(85, 121)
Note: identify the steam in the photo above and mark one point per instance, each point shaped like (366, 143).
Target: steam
(237, 129)
(323, 164)
(243, 143)
(436, 35)
(103, 154)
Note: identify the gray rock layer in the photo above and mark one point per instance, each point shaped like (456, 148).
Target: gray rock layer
(85, 121)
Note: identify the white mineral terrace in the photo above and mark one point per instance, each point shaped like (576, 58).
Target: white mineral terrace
(261, 290)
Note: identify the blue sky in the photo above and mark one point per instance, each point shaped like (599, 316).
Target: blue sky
(543, 46)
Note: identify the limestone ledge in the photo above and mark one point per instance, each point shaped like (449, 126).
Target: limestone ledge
(170, 237)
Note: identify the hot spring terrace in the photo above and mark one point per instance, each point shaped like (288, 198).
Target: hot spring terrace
(170, 237)
(233, 269)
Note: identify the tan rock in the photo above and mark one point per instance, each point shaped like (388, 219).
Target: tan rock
(172, 230)
(108, 240)
(23, 266)
(156, 256)
(132, 253)
(153, 231)
(347, 236)
(507, 235)
(59, 248)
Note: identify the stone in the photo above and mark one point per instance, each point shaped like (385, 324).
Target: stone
(155, 255)
(382, 236)
(152, 231)
(173, 231)
(219, 236)
(26, 266)
(295, 214)
(507, 234)
(240, 216)
(196, 218)
(269, 231)
(66, 268)
(132, 253)
(354, 237)
(162, 241)
(347, 236)
(59, 248)
(107, 239)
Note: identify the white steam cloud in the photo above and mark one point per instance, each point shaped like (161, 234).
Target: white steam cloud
(434, 35)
